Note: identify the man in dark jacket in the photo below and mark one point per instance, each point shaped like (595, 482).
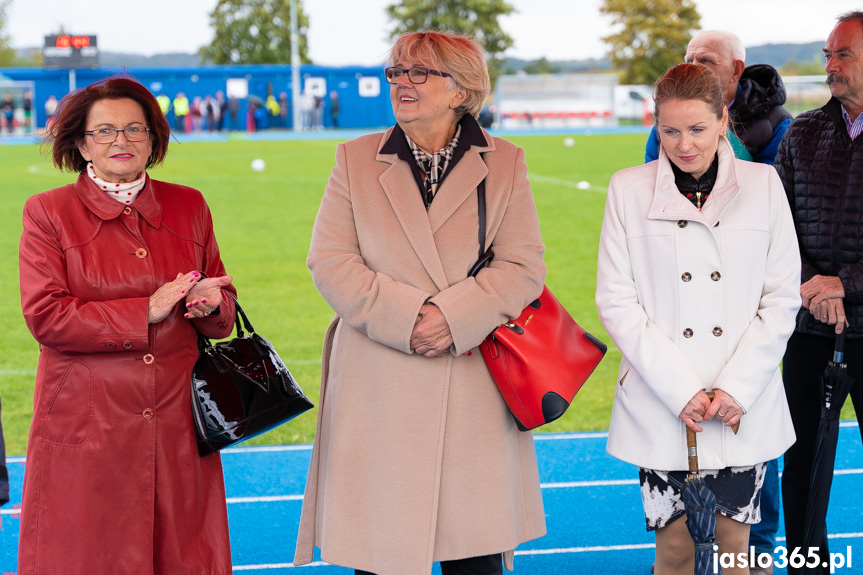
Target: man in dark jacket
(820, 162)
(754, 96)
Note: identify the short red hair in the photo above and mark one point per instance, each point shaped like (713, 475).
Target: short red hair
(70, 120)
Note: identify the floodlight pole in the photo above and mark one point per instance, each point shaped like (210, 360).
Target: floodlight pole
(295, 67)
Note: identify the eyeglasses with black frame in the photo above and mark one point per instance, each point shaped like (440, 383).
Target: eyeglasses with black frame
(108, 135)
(416, 75)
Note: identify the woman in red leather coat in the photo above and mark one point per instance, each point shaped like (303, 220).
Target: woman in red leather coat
(119, 273)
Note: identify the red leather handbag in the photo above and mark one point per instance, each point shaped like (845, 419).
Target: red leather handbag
(541, 359)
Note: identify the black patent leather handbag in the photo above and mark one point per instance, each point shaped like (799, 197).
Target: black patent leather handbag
(241, 389)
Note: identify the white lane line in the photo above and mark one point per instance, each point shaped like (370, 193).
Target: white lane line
(592, 549)
(267, 449)
(540, 436)
(264, 499)
(526, 552)
(267, 566)
(603, 483)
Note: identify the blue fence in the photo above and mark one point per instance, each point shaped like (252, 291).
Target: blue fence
(363, 94)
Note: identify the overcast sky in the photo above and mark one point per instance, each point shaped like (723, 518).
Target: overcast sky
(349, 32)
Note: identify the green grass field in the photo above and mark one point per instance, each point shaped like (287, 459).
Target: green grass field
(263, 223)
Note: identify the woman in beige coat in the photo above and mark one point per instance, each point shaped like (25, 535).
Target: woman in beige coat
(416, 457)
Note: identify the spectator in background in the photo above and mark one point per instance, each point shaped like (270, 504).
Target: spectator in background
(486, 118)
(307, 109)
(197, 114)
(272, 106)
(318, 113)
(164, 103)
(223, 109)
(181, 110)
(284, 109)
(234, 112)
(8, 112)
(819, 162)
(754, 96)
(50, 108)
(334, 108)
(27, 106)
(212, 111)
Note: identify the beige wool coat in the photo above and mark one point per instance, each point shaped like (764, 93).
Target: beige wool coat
(417, 459)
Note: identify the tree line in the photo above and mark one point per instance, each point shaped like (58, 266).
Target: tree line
(649, 36)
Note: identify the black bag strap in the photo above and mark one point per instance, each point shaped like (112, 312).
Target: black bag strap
(480, 201)
(485, 255)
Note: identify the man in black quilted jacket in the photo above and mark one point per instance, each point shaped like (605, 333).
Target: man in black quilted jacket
(820, 161)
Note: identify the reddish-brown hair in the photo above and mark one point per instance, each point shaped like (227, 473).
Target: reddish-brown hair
(70, 121)
(689, 82)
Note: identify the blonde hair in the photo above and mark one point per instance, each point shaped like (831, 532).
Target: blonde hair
(456, 54)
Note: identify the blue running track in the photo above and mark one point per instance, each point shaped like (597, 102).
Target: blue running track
(592, 503)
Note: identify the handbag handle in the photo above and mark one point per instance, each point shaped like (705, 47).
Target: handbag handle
(204, 341)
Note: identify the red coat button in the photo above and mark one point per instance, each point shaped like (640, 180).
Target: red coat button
(141, 253)
(111, 345)
(127, 345)
(147, 413)
(148, 359)
(127, 210)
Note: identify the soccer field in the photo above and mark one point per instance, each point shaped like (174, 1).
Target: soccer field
(263, 223)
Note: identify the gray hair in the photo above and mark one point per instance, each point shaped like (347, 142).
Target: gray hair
(730, 42)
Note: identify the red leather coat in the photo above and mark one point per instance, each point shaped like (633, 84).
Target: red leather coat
(113, 482)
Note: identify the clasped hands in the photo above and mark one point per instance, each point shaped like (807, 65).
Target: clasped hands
(201, 296)
(823, 296)
(701, 409)
(431, 335)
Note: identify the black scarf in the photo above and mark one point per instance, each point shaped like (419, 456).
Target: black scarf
(696, 190)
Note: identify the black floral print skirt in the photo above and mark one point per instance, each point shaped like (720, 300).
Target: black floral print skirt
(737, 490)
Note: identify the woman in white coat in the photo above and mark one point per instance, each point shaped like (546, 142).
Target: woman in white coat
(416, 458)
(698, 286)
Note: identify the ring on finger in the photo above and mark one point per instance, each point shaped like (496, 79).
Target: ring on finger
(720, 414)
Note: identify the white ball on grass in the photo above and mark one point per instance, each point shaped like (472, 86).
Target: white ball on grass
(568, 142)
(258, 165)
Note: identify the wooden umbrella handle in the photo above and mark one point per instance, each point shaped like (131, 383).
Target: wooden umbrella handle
(734, 428)
(692, 443)
(692, 450)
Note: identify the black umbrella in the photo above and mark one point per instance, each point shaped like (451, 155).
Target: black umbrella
(835, 386)
(699, 504)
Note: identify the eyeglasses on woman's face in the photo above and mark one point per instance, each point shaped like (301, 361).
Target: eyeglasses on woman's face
(108, 135)
(416, 75)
